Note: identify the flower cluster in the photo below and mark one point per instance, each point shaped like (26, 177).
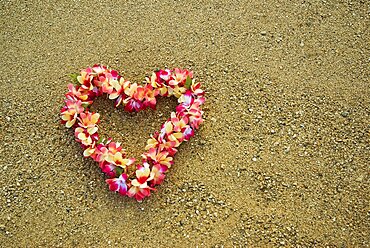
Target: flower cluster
(125, 176)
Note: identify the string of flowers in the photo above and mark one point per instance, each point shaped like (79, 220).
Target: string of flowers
(124, 176)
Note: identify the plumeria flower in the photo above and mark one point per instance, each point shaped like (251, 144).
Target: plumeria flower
(159, 157)
(154, 81)
(195, 89)
(158, 80)
(89, 120)
(139, 94)
(130, 91)
(119, 160)
(107, 85)
(191, 109)
(143, 173)
(118, 89)
(85, 79)
(158, 173)
(167, 129)
(99, 81)
(108, 168)
(194, 114)
(156, 141)
(70, 112)
(180, 125)
(186, 99)
(179, 77)
(135, 100)
(106, 152)
(118, 184)
(188, 132)
(88, 70)
(134, 105)
(139, 186)
(99, 69)
(152, 142)
(87, 89)
(108, 80)
(178, 91)
(83, 136)
(73, 93)
(164, 74)
(150, 96)
(90, 151)
(174, 138)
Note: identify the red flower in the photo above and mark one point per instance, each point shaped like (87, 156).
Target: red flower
(139, 186)
(118, 184)
(158, 173)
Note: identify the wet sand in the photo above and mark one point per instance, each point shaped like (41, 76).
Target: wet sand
(281, 160)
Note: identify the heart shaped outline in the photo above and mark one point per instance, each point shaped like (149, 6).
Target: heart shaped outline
(124, 178)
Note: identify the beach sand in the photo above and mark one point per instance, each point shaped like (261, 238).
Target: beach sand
(281, 160)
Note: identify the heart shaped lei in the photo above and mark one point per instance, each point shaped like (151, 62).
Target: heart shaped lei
(124, 176)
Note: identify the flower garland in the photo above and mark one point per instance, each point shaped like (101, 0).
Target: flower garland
(124, 177)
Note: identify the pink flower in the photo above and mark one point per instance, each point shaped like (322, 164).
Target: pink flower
(169, 134)
(195, 115)
(164, 74)
(85, 79)
(106, 85)
(143, 173)
(158, 173)
(89, 120)
(154, 80)
(186, 99)
(131, 90)
(133, 105)
(188, 132)
(135, 100)
(177, 91)
(108, 168)
(70, 111)
(152, 142)
(118, 184)
(99, 69)
(83, 136)
(139, 93)
(159, 77)
(158, 80)
(75, 93)
(196, 90)
(150, 96)
(119, 160)
(159, 157)
(156, 141)
(179, 77)
(191, 109)
(107, 80)
(180, 125)
(139, 186)
(106, 152)
(117, 92)
(90, 151)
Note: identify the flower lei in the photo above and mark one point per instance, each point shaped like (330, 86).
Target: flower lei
(124, 177)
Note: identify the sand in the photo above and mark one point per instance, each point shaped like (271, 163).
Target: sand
(281, 160)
